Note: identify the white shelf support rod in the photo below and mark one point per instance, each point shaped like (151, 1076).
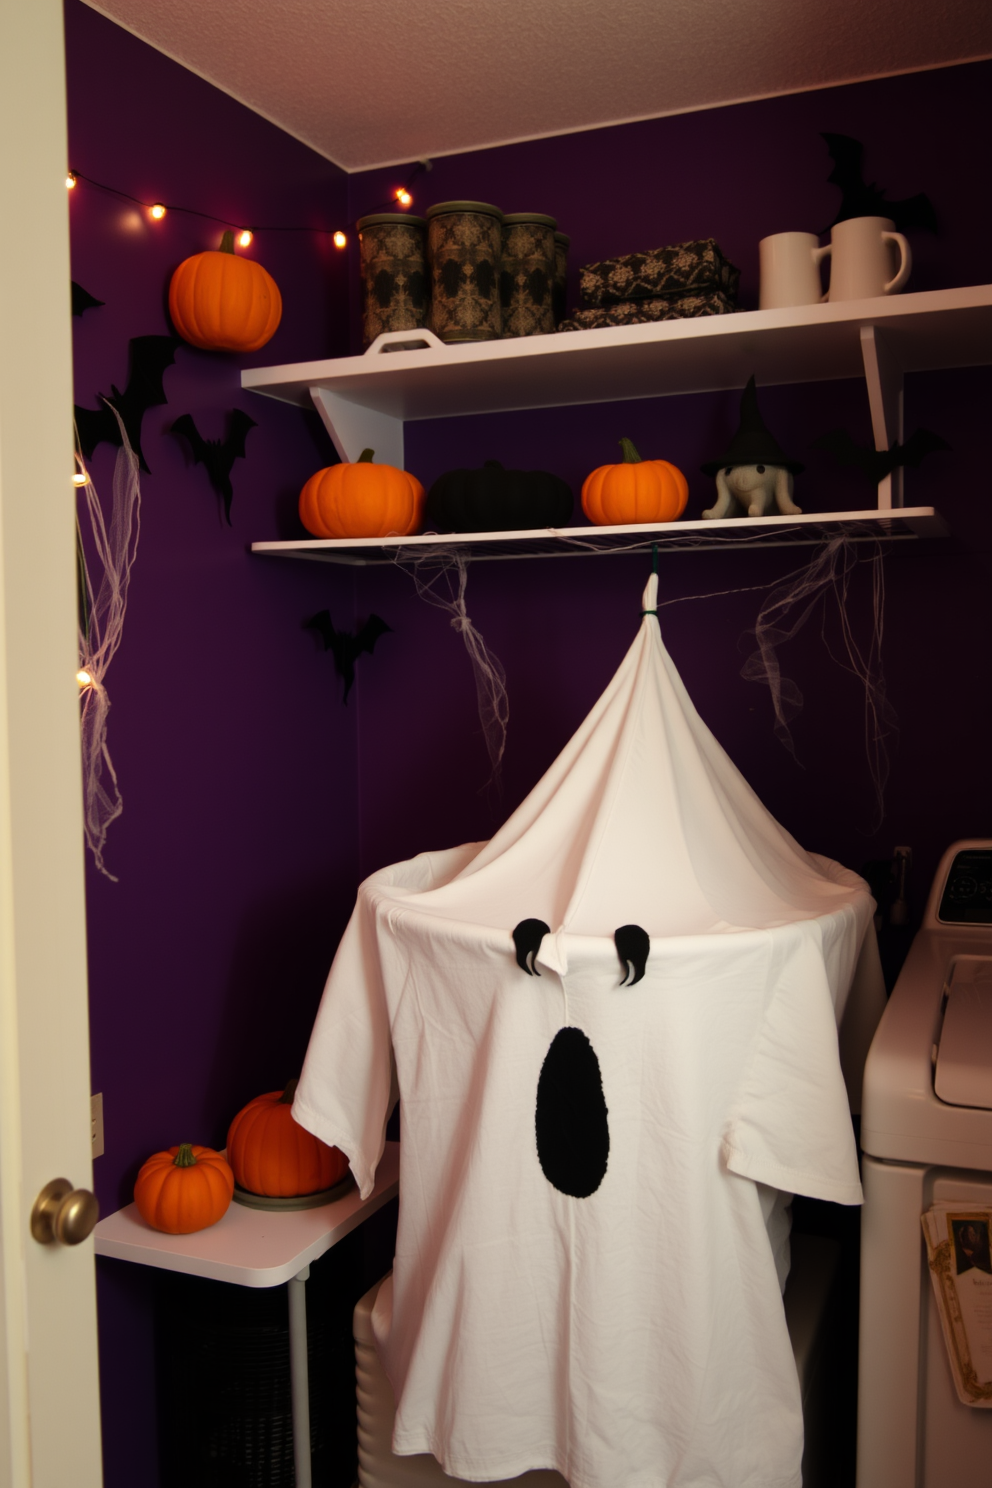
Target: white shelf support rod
(884, 377)
(354, 428)
(300, 1376)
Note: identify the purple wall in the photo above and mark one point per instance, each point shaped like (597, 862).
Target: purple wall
(253, 800)
(236, 852)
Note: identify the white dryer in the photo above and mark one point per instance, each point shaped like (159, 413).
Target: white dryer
(927, 1135)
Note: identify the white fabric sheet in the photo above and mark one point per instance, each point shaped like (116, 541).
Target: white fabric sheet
(633, 1338)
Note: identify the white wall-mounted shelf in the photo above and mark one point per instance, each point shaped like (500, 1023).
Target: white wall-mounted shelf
(365, 400)
(578, 542)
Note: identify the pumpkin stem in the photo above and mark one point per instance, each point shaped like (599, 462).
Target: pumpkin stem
(365, 458)
(227, 243)
(630, 455)
(286, 1099)
(493, 464)
(184, 1157)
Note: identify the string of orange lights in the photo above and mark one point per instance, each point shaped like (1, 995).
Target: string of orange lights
(401, 197)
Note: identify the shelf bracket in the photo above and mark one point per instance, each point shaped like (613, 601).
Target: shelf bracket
(884, 377)
(353, 428)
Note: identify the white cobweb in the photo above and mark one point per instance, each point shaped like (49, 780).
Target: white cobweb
(783, 614)
(101, 625)
(441, 578)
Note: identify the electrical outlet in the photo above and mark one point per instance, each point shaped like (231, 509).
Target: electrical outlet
(96, 1124)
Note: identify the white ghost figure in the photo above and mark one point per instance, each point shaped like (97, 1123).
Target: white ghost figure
(760, 490)
(754, 472)
(614, 1033)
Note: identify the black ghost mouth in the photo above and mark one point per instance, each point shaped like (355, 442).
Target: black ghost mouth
(571, 1119)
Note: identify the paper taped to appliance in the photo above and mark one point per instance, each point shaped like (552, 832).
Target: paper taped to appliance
(959, 1249)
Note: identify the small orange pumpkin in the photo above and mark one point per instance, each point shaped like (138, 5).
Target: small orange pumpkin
(220, 302)
(185, 1189)
(362, 500)
(635, 491)
(272, 1154)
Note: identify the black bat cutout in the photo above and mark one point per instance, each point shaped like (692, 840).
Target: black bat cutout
(861, 199)
(877, 464)
(633, 946)
(150, 355)
(527, 937)
(346, 647)
(82, 299)
(218, 455)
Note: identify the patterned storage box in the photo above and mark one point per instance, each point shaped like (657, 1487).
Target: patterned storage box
(663, 272)
(639, 312)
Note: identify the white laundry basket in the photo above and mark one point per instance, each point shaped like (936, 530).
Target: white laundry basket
(378, 1466)
(811, 1278)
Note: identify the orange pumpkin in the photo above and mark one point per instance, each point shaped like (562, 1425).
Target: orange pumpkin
(272, 1154)
(185, 1189)
(635, 491)
(220, 302)
(362, 500)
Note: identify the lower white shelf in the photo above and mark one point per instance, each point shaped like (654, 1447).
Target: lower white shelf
(250, 1247)
(577, 542)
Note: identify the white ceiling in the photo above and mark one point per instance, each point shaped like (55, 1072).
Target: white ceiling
(378, 82)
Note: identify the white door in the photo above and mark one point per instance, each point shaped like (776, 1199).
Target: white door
(49, 1422)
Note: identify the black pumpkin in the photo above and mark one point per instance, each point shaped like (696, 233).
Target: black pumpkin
(496, 500)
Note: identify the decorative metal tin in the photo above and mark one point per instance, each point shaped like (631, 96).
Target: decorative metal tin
(560, 291)
(527, 274)
(681, 269)
(639, 312)
(394, 273)
(463, 250)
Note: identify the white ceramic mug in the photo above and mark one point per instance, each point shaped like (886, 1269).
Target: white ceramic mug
(790, 270)
(863, 254)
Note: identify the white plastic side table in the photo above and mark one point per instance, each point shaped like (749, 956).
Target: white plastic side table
(259, 1248)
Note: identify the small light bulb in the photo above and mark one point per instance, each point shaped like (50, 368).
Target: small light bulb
(158, 211)
(244, 238)
(70, 180)
(340, 240)
(80, 478)
(403, 197)
(83, 678)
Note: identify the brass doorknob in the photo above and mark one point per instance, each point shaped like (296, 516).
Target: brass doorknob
(63, 1213)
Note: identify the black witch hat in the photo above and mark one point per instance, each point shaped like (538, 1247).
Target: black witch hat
(752, 444)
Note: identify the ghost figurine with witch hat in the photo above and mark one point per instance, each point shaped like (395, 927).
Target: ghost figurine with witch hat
(753, 472)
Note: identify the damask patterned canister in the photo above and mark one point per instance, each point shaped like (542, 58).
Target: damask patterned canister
(560, 292)
(527, 274)
(463, 250)
(394, 273)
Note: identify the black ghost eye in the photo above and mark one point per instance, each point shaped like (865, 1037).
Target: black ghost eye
(527, 937)
(761, 469)
(633, 945)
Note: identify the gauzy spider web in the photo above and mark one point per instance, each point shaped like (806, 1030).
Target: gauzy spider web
(441, 578)
(101, 626)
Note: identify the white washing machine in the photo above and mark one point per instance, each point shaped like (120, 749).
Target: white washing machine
(927, 1135)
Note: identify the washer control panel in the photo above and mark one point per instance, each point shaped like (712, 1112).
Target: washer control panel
(967, 896)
